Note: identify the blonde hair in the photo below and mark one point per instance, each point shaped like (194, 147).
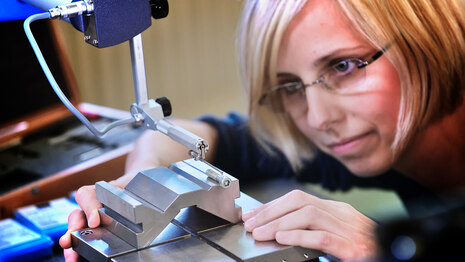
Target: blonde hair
(428, 53)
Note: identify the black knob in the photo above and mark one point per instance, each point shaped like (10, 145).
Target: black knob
(165, 105)
(160, 8)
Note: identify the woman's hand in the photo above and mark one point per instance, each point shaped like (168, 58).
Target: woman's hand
(88, 216)
(300, 219)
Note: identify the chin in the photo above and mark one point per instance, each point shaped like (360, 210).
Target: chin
(367, 167)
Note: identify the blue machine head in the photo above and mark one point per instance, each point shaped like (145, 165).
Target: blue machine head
(111, 22)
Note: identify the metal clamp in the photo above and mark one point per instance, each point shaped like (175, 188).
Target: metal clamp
(140, 212)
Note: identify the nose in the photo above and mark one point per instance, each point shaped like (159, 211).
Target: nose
(322, 108)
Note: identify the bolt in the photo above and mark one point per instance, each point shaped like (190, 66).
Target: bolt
(138, 117)
(86, 232)
(221, 179)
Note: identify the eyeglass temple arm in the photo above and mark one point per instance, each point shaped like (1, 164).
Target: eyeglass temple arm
(374, 57)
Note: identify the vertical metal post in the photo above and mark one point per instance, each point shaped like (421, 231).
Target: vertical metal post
(138, 69)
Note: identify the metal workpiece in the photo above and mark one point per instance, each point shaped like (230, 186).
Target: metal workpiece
(237, 241)
(140, 212)
(190, 249)
(179, 213)
(203, 237)
(99, 244)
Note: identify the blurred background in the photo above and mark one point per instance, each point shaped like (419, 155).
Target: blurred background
(190, 58)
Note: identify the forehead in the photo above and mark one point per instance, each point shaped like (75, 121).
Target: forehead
(319, 29)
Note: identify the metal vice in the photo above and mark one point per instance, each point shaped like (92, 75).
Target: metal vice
(156, 196)
(190, 211)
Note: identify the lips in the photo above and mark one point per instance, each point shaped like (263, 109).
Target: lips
(349, 145)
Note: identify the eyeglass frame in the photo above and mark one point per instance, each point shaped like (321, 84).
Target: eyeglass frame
(320, 80)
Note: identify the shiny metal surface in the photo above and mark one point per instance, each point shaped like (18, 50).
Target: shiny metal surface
(99, 244)
(197, 145)
(140, 212)
(240, 243)
(177, 214)
(190, 249)
(211, 239)
(138, 69)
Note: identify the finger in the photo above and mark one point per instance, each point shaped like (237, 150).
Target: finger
(257, 210)
(70, 255)
(290, 202)
(320, 240)
(87, 200)
(297, 199)
(348, 212)
(76, 220)
(308, 217)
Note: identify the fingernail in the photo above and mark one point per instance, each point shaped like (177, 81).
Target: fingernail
(246, 216)
(281, 237)
(259, 230)
(249, 224)
(93, 218)
(62, 238)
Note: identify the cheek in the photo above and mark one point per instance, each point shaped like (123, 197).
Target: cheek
(386, 102)
(380, 106)
(300, 120)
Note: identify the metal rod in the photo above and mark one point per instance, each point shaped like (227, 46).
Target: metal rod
(138, 69)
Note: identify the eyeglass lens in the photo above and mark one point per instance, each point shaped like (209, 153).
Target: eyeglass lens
(342, 81)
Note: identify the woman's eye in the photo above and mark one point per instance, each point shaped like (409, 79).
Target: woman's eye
(344, 66)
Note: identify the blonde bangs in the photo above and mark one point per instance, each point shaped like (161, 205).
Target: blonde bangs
(259, 37)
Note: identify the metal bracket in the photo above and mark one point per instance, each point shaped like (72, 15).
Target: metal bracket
(140, 212)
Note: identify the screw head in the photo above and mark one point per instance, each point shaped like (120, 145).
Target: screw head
(86, 232)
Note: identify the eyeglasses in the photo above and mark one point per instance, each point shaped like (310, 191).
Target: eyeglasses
(344, 77)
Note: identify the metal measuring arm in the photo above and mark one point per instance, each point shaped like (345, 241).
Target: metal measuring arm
(150, 113)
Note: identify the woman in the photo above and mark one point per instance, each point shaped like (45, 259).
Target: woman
(353, 93)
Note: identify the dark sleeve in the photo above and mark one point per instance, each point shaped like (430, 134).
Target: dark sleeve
(240, 155)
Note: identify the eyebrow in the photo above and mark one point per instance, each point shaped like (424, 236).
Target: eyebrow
(333, 54)
(286, 75)
(337, 53)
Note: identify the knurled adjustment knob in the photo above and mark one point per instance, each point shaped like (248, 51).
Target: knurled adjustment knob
(165, 105)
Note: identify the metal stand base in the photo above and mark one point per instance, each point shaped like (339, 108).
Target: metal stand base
(178, 214)
(194, 235)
